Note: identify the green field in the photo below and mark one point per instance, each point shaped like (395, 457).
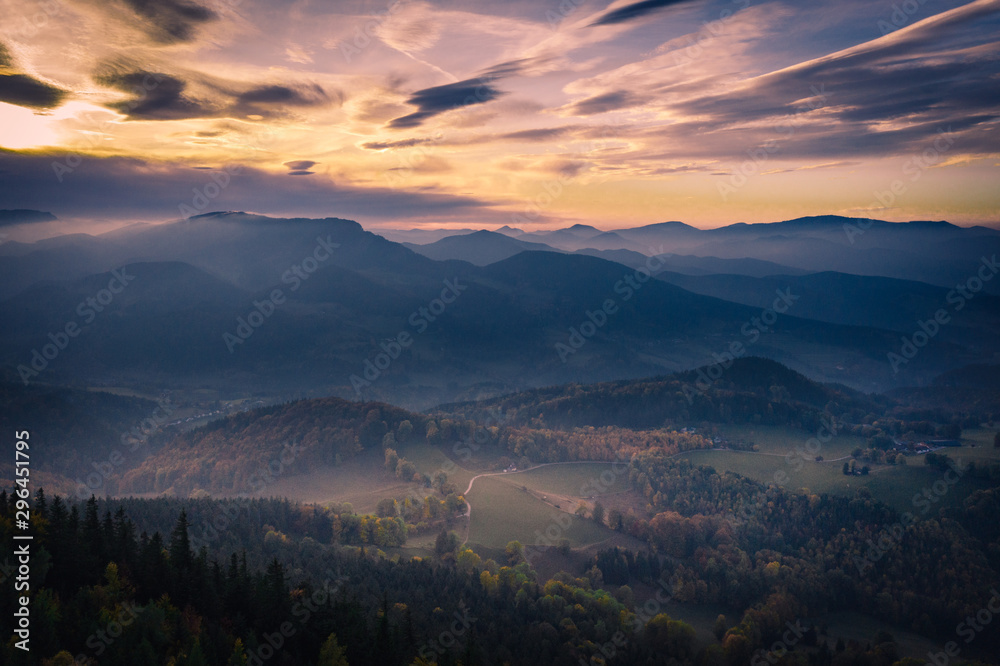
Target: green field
(574, 479)
(432, 459)
(362, 481)
(782, 439)
(892, 484)
(503, 512)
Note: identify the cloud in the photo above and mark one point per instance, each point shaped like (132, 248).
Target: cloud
(158, 96)
(300, 167)
(635, 10)
(388, 145)
(169, 21)
(881, 95)
(13, 218)
(278, 95)
(539, 134)
(439, 99)
(609, 101)
(161, 96)
(298, 55)
(23, 90)
(147, 190)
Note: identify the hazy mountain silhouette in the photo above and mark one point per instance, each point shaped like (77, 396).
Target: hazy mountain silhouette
(515, 323)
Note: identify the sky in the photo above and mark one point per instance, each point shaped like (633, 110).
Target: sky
(534, 114)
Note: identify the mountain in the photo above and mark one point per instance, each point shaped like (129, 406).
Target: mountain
(938, 253)
(9, 218)
(508, 230)
(569, 238)
(480, 248)
(859, 300)
(972, 390)
(61, 257)
(250, 251)
(421, 236)
(199, 314)
(750, 390)
(224, 454)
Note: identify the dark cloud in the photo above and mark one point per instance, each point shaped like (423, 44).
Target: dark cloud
(437, 100)
(609, 101)
(522, 66)
(635, 10)
(537, 134)
(300, 167)
(12, 218)
(127, 188)
(386, 145)
(169, 21)
(158, 96)
(23, 90)
(284, 95)
(886, 97)
(509, 68)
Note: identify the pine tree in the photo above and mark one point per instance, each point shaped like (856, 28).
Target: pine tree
(41, 504)
(238, 656)
(331, 654)
(180, 544)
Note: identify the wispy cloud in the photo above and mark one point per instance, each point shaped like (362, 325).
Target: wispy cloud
(651, 96)
(636, 10)
(431, 102)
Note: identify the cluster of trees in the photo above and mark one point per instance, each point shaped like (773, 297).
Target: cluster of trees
(590, 443)
(244, 452)
(104, 590)
(734, 541)
(420, 516)
(852, 468)
(403, 468)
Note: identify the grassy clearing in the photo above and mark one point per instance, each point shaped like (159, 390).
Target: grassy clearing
(431, 460)
(574, 479)
(977, 444)
(362, 481)
(783, 439)
(502, 512)
(893, 484)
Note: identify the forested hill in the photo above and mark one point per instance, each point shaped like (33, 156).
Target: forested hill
(225, 455)
(231, 456)
(749, 390)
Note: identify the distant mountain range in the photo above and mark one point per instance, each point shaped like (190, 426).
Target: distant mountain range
(244, 303)
(934, 252)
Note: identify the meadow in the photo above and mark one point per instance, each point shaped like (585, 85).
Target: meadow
(896, 485)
